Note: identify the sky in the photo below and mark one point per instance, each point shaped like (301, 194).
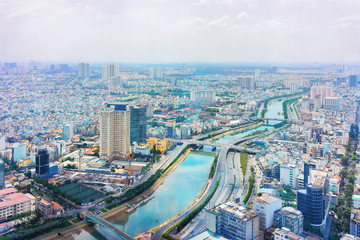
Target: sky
(180, 30)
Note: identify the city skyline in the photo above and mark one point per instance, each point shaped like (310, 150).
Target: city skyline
(180, 31)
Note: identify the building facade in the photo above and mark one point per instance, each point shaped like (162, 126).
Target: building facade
(83, 70)
(42, 161)
(13, 203)
(109, 71)
(290, 218)
(138, 124)
(232, 221)
(115, 131)
(265, 206)
(203, 97)
(313, 201)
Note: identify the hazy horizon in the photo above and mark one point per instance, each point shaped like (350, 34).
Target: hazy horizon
(193, 31)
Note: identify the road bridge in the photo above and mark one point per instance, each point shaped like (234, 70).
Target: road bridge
(99, 220)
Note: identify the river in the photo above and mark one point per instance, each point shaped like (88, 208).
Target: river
(176, 192)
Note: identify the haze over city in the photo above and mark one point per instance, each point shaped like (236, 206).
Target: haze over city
(180, 31)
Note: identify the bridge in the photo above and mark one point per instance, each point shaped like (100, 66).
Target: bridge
(216, 144)
(279, 119)
(99, 220)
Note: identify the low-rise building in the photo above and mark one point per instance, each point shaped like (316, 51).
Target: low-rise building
(13, 203)
(232, 221)
(355, 223)
(45, 207)
(286, 234)
(290, 218)
(265, 206)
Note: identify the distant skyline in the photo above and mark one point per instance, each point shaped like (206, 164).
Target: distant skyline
(180, 31)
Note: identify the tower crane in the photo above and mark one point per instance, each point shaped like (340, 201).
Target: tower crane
(80, 156)
(130, 156)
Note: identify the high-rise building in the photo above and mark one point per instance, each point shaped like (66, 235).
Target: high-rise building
(308, 165)
(138, 124)
(155, 73)
(312, 201)
(109, 71)
(257, 74)
(232, 221)
(68, 132)
(18, 152)
(265, 206)
(355, 222)
(2, 143)
(117, 83)
(288, 174)
(2, 174)
(290, 218)
(331, 103)
(353, 80)
(115, 131)
(323, 91)
(247, 82)
(42, 162)
(83, 70)
(203, 97)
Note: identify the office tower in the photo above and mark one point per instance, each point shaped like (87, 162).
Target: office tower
(2, 143)
(353, 80)
(203, 97)
(285, 234)
(247, 82)
(184, 132)
(323, 91)
(137, 124)
(18, 152)
(290, 218)
(117, 84)
(232, 221)
(340, 81)
(265, 207)
(114, 131)
(257, 74)
(316, 134)
(273, 70)
(68, 132)
(109, 71)
(2, 174)
(170, 132)
(331, 103)
(355, 222)
(42, 162)
(288, 174)
(83, 70)
(312, 200)
(155, 73)
(308, 165)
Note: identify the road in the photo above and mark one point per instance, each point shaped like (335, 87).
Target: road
(221, 164)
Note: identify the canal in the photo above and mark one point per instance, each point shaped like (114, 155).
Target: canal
(177, 191)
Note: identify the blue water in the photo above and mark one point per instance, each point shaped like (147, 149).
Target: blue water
(229, 138)
(275, 110)
(177, 191)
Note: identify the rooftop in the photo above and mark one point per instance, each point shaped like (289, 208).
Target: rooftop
(266, 199)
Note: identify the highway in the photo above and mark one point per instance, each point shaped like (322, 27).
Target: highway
(221, 162)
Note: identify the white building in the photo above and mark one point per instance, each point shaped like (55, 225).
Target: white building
(2, 143)
(203, 97)
(265, 206)
(356, 201)
(355, 223)
(232, 221)
(285, 234)
(291, 219)
(109, 71)
(13, 203)
(288, 174)
(18, 152)
(115, 131)
(331, 103)
(247, 82)
(83, 70)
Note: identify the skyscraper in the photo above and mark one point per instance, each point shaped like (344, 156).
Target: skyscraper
(312, 201)
(83, 70)
(2, 174)
(353, 80)
(42, 161)
(247, 82)
(109, 71)
(203, 97)
(137, 124)
(114, 131)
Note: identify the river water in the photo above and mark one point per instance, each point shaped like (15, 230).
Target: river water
(176, 192)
